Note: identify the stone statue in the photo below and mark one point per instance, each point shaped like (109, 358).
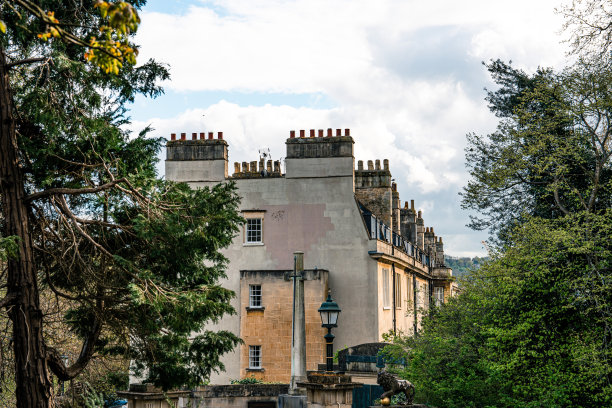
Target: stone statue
(392, 386)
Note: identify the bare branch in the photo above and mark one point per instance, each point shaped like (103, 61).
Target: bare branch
(74, 191)
(26, 61)
(66, 373)
(8, 300)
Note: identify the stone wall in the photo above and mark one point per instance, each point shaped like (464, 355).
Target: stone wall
(314, 208)
(317, 147)
(373, 189)
(211, 396)
(214, 149)
(270, 325)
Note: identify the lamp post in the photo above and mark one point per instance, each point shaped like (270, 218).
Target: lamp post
(329, 311)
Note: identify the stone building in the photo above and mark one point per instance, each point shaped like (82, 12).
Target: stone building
(383, 265)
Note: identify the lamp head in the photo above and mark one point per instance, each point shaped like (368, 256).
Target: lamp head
(329, 312)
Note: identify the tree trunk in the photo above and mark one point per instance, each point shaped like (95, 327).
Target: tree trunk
(31, 372)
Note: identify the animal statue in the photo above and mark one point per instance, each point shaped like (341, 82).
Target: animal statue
(393, 386)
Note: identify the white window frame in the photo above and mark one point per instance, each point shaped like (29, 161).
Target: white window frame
(255, 296)
(439, 295)
(255, 357)
(386, 286)
(253, 231)
(250, 216)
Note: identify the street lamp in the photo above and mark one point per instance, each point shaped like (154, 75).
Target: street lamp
(329, 311)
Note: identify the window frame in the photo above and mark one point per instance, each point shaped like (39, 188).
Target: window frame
(255, 299)
(253, 215)
(255, 355)
(409, 291)
(398, 290)
(386, 288)
(257, 232)
(438, 290)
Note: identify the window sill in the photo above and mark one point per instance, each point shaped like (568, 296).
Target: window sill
(253, 244)
(255, 369)
(255, 308)
(386, 308)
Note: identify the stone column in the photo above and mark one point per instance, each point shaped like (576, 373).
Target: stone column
(298, 341)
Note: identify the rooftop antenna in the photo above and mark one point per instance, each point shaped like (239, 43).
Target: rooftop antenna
(264, 154)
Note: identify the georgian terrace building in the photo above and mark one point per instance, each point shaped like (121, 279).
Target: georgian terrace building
(384, 267)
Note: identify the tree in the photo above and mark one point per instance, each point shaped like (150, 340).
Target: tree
(589, 23)
(530, 328)
(134, 259)
(550, 155)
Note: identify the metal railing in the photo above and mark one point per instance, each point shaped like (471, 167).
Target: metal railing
(380, 231)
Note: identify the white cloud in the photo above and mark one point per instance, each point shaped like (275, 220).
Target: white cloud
(405, 76)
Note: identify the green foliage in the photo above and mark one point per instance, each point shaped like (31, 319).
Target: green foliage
(464, 265)
(531, 327)
(8, 247)
(91, 398)
(247, 380)
(107, 43)
(135, 260)
(550, 154)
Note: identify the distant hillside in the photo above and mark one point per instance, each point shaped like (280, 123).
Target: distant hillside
(463, 265)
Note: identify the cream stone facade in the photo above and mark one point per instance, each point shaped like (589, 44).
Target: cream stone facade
(383, 266)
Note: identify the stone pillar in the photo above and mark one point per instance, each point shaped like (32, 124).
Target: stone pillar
(395, 209)
(440, 252)
(420, 229)
(327, 390)
(298, 341)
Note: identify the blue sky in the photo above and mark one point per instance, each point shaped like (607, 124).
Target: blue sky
(405, 76)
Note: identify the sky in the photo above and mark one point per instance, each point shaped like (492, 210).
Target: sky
(406, 77)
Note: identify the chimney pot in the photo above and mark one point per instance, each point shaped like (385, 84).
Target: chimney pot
(347, 132)
(210, 135)
(302, 133)
(172, 136)
(253, 167)
(338, 132)
(194, 136)
(220, 135)
(183, 136)
(386, 164)
(312, 133)
(292, 134)
(360, 165)
(329, 132)
(370, 165)
(419, 215)
(202, 135)
(269, 166)
(236, 168)
(393, 187)
(405, 205)
(245, 167)
(377, 164)
(412, 205)
(320, 132)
